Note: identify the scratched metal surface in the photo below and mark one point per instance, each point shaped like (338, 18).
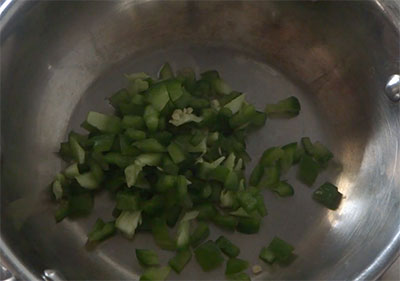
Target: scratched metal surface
(61, 59)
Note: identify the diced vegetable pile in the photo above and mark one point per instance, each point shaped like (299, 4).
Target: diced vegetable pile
(173, 157)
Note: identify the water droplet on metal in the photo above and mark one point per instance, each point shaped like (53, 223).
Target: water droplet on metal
(392, 88)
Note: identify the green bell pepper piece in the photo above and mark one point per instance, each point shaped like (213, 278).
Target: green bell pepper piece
(225, 221)
(131, 108)
(230, 161)
(155, 274)
(308, 146)
(102, 143)
(153, 205)
(236, 104)
(183, 232)
(118, 159)
(258, 120)
(322, 154)
(158, 96)
(80, 138)
(235, 265)
(232, 181)
(186, 74)
(127, 201)
(65, 151)
(289, 107)
(220, 86)
(224, 100)
(57, 189)
(122, 96)
(85, 125)
(240, 212)
(172, 215)
(243, 117)
(287, 158)
(101, 231)
(163, 137)
(147, 257)
(270, 177)
(135, 134)
(277, 250)
(151, 118)
(206, 211)
(149, 159)
(165, 183)
(227, 247)
(168, 166)
(206, 191)
(256, 175)
(161, 235)
(136, 86)
(127, 222)
(228, 198)
(283, 189)
(176, 153)
(182, 191)
(200, 233)
(220, 174)
(261, 209)
(247, 201)
(132, 121)
(174, 88)
(77, 151)
(126, 148)
(104, 123)
(99, 158)
(149, 145)
(308, 170)
(249, 225)
(96, 170)
(88, 180)
(210, 75)
(298, 154)
(208, 256)
(267, 255)
(62, 211)
(132, 173)
(328, 195)
(166, 72)
(199, 103)
(271, 156)
(216, 190)
(72, 171)
(180, 260)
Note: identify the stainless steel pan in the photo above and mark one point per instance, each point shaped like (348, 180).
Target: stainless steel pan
(61, 59)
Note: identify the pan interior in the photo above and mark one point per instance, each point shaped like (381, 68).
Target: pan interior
(268, 50)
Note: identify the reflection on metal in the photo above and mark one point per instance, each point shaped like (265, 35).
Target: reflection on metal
(5, 5)
(5, 274)
(381, 259)
(347, 209)
(52, 275)
(392, 88)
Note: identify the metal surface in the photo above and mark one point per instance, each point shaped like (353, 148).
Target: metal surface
(52, 275)
(393, 272)
(61, 59)
(393, 88)
(5, 274)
